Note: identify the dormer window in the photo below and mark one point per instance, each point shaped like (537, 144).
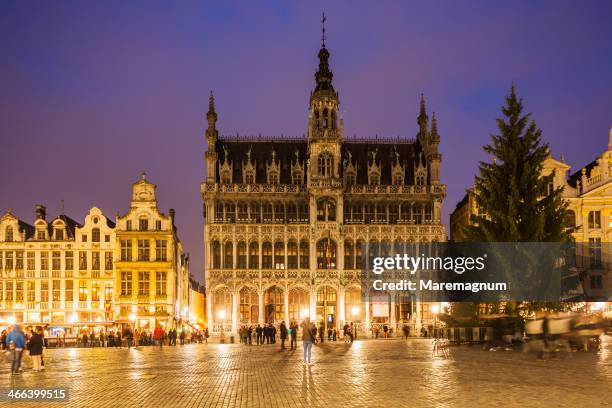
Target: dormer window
(398, 179)
(420, 180)
(249, 177)
(143, 224)
(59, 234)
(226, 177)
(41, 235)
(158, 225)
(128, 225)
(374, 179)
(273, 177)
(95, 235)
(8, 234)
(297, 178)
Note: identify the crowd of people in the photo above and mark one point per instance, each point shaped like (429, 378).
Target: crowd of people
(15, 341)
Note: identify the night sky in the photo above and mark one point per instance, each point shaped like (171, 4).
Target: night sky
(94, 93)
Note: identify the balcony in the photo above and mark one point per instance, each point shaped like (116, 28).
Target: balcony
(56, 305)
(83, 304)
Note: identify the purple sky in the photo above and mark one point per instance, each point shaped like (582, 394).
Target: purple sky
(93, 93)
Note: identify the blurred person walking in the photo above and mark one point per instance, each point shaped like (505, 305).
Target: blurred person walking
(283, 334)
(307, 340)
(15, 341)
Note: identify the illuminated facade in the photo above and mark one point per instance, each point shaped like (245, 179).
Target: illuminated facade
(57, 272)
(152, 276)
(67, 274)
(286, 219)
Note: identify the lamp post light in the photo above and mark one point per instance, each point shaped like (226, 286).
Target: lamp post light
(435, 309)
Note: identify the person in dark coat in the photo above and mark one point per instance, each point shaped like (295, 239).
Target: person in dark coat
(259, 334)
(35, 346)
(294, 330)
(283, 334)
(84, 339)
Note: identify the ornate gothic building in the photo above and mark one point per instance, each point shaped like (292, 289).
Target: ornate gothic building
(286, 220)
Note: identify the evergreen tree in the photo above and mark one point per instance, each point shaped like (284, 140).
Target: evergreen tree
(512, 196)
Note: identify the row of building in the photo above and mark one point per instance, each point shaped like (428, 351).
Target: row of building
(131, 270)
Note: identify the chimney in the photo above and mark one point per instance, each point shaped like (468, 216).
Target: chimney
(41, 212)
(172, 214)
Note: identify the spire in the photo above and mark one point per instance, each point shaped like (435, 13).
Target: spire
(422, 120)
(435, 137)
(323, 20)
(211, 115)
(323, 77)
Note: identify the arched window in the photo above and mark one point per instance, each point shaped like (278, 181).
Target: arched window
(326, 254)
(228, 261)
(398, 179)
(325, 163)
(404, 212)
(274, 301)
(393, 213)
(292, 212)
(325, 118)
(222, 302)
(230, 212)
(266, 255)
(428, 213)
(299, 304)
(219, 217)
(255, 212)
(226, 177)
(417, 214)
(304, 255)
(254, 255)
(359, 255)
(304, 212)
(267, 212)
(241, 260)
(243, 212)
(570, 219)
(279, 212)
(95, 235)
(216, 254)
(326, 209)
(381, 213)
(349, 255)
(279, 255)
(8, 234)
(249, 305)
(292, 255)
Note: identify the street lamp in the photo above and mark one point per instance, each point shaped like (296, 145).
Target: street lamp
(435, 309)
(354, 311)
(304, 313)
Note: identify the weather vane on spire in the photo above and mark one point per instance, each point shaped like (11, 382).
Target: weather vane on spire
(323, 20)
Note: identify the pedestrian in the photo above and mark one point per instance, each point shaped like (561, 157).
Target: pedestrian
(250, 334)
(259, 334)
(158, 335)
(182, 336)
(206, 335)
(272, 333)
(35, 345)
(294, 329)
(15, 341)
(307, 339)
(283, 334)
(129, 336)
(322, 333)
(84, 339)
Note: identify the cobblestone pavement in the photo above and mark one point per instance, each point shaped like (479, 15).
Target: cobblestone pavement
(367, 373)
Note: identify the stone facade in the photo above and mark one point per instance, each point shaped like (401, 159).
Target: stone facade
(67, 274)
(286, 219)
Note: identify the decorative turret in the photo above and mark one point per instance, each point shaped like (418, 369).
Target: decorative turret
(422, 120)
(211, 139)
